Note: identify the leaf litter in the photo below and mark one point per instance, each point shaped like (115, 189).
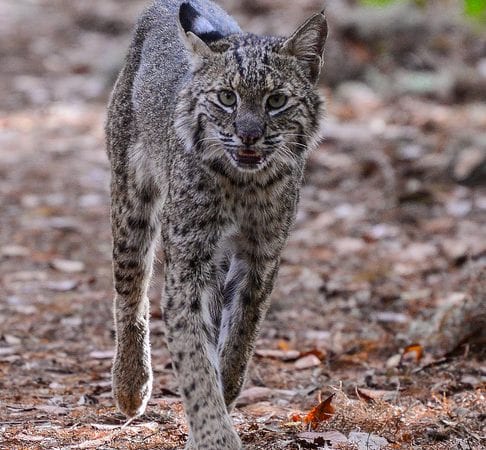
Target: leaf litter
(388, 248)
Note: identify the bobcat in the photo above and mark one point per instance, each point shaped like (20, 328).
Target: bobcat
(208, 131)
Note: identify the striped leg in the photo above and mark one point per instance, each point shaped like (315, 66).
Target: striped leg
(135, 229)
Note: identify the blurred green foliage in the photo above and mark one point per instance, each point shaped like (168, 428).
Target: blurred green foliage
(475, 8)
(472, 8)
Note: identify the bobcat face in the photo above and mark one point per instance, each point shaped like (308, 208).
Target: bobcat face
(254, 114)
(251, 103)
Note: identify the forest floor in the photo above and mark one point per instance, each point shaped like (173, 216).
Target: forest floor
(385, 239)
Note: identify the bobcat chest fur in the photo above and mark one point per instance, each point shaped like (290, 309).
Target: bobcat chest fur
(208, 132)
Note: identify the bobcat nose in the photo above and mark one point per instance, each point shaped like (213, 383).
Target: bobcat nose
(249, 132)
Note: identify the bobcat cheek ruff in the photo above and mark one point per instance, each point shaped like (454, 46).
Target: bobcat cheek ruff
(251, 101)
(208, 131)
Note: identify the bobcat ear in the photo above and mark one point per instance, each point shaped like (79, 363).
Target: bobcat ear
(307, 44)
(197, 31)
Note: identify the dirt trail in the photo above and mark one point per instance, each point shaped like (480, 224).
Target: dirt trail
(385, 237)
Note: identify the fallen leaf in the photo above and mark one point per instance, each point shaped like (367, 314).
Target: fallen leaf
(52, 409)
(471, 381)
(253, 395)
(63, 223)
(102, 354)
(413, 349)
(412, 296)
(257, 394)
(296, 417)
(25, 275)
(372, 395)
(317, 335)
(17, 408)
(62, 285)
(30, 438)
(454, 249)
(104, 426)
(323, 411)
(392, 317)
(320, 354)
(266, 413)
(11, 339)
(292, 424)
(393, 361)
(288, 355)
(95, 443)
(467, 162)
(253, 427)
(266, 418)
(320, 254)
(152, 426)
(88, 399)
(307, 362)
(328, 437)
(356, 358)
(7, 351)
(67, 265)
(367, 441)
(11, 251)
(364, 396)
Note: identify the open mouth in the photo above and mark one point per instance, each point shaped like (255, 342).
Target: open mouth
(248, 157)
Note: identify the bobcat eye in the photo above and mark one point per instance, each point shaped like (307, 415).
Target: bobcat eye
(227, 98)
(276, 101)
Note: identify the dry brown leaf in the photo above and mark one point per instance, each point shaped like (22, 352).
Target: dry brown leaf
(288, 355)
(357, 358)
(307, 362)
(333, 437)
(321, 254)
(413, 349)
(364, 396)
(102, 354)
(320, 354)
(360, 352)
(67, 265)
(372, 395)
(257, 394)
(393, 361)
(62, 285)
(323, 411)
(367, 440)
(97, 443)
(52, 409)
(13, 251)
(30, 438)
(296, 417)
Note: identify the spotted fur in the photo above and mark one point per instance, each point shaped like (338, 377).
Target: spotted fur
(218, 182)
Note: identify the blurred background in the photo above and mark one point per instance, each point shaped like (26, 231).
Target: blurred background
(389, 247)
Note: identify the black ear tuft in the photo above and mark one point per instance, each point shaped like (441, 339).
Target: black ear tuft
(192, 21)
(187, 16)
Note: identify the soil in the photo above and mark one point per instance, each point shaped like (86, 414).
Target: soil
(388, 250)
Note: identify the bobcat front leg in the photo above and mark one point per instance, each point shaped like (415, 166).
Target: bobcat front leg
(191, 335)
(135, 228)
(246, 300)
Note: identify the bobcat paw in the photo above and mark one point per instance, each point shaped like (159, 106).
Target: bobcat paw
(132, 387)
